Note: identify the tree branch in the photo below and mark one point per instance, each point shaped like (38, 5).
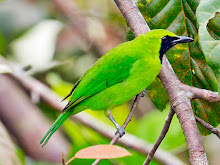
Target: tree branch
(208, 126)
(27, 123)
(8, 153)
(179, 99)
(161, 136)
(180, 102)
(204, 94)
(133, 16)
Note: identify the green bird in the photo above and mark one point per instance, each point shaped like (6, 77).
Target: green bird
(118, 76)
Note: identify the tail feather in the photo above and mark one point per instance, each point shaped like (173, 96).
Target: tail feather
(55, 126)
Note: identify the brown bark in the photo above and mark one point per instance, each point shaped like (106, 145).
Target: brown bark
(180, 102)
(179, 99)
(7, 148)
(27, 124)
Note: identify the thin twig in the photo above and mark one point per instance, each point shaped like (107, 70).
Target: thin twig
(204, 94)
(63, 159)
(70, 160)
(161, 136)
(128, 119)
(208, 126)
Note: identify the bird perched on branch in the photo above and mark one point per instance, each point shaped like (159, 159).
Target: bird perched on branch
(118, 76)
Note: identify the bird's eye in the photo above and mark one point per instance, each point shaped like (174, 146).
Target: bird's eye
(164, 39)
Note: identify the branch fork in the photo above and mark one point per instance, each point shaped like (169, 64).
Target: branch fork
(180, 95)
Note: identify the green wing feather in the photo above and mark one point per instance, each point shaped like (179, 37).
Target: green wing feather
(108, 71)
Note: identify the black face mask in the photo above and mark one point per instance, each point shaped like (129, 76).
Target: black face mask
(168, 42)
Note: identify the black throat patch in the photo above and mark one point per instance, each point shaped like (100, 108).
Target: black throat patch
(166, 44)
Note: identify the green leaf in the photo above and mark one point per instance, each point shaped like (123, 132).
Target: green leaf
(3, 44)
(206, 11)
(188, 60)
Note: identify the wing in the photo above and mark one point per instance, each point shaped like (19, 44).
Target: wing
(114, 67)
(72, 90)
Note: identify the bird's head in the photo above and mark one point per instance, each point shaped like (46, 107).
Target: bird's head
(167, 40)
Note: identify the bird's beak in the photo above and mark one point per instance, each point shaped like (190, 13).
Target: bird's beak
(182, 39)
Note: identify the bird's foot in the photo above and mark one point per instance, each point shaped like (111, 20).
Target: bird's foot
(143, 93)
(120, 130)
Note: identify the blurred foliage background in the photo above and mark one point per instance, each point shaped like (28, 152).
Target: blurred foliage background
(56, 49)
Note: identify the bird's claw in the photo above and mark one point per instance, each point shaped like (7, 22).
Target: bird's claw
(120, 130)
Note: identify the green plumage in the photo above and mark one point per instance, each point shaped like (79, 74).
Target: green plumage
(116, 77)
